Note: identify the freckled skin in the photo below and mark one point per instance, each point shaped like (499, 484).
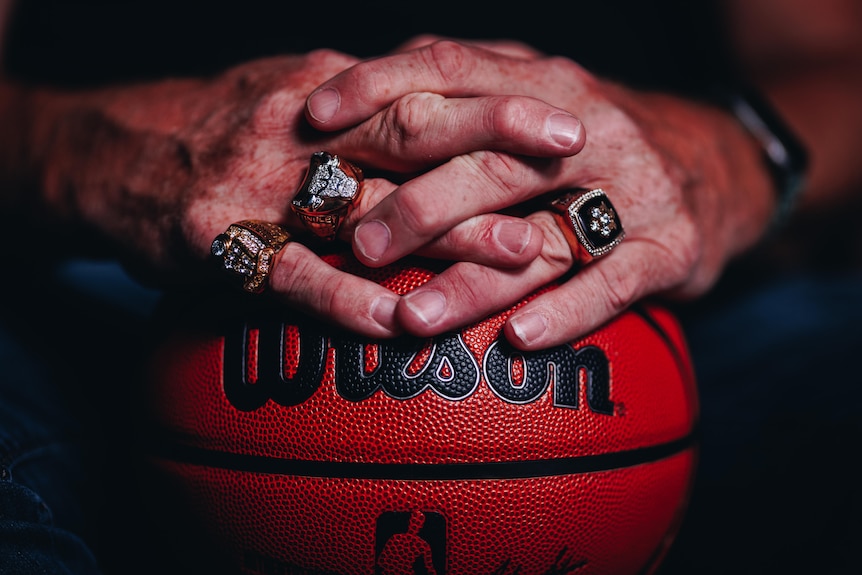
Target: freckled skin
(457, 138)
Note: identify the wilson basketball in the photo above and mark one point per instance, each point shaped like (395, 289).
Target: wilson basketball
(299, 448)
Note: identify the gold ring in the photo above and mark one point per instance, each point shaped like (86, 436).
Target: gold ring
(327, 193)
(247, 248)
(589, 221)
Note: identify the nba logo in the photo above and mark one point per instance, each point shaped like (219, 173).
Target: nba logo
(411, 542)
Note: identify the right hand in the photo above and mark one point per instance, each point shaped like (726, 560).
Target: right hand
(685, 178)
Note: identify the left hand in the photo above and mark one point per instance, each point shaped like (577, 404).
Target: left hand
(685, 179)
(154, 171)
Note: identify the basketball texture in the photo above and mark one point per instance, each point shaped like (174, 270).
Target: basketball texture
(301, 448)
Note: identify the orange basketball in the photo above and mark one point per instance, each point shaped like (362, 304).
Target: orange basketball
(301, 448)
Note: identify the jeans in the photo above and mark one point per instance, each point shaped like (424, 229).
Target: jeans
(781, 430)
(781, 426)
(67, 345)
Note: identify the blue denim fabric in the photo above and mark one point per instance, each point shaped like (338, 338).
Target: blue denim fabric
(780, 384)
(42, 481)
(53, 515)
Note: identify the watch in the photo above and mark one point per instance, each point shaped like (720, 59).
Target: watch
(784, 154)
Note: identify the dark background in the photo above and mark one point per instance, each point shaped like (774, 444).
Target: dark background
(777, 489)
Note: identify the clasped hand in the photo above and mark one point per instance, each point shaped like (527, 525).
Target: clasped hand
(460, 142)
(668, 165)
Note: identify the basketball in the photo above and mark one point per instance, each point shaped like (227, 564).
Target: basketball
(293, 447)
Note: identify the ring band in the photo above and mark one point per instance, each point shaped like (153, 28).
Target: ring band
(327, 193)
(247, 248)
(589, 221)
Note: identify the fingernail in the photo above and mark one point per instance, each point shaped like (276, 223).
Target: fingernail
(513, 235)
(529, 326)
(372, 239)
(383, 311)
(427, 305)
(566, 130)
(323, 104)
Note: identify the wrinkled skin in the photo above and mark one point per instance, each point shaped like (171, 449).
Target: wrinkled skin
(685, 180)
(452, 135)
(161, 169)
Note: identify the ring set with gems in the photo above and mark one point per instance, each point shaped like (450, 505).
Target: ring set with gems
(248, 248)
(327, 194)
(324, 199)
(331, 187)
(589, 222)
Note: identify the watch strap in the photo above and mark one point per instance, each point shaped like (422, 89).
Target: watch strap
(784, 154)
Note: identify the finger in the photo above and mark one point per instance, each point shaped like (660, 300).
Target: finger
(448, 68)
(586, 299)
(657, 259)
(423, 129)
(495, 240)
(490, 240)
(467, 292)
(429, 205)
(593, 296)
(306, 282)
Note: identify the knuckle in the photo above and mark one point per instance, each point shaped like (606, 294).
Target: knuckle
(417, 214)
(450, 60)
(406, 120)
(301, 282)
(330, 299)
(294, 282)
(506, 174)
(470, 284)
(620, 283)
(508, 117)
(373, 88)
(556, 251)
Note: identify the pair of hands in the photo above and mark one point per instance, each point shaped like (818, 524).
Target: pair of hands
(461, 132)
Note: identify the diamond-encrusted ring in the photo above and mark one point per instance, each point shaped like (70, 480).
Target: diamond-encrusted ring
(589, 221)
(248, 248)
(327, 193)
